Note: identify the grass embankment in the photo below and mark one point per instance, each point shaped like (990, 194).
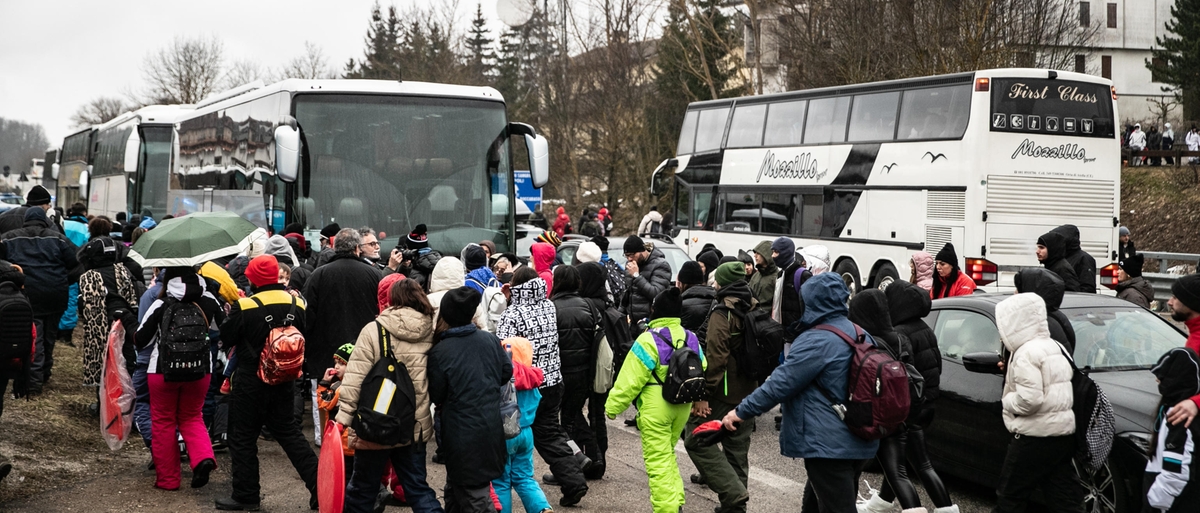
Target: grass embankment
(52, 439)
(1161, 207)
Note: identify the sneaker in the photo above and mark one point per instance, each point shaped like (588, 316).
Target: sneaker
(201, 472)
(220, 444)
(573, 497)
(232, 505)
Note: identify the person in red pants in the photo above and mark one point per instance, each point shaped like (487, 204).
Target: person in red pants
(176, 400)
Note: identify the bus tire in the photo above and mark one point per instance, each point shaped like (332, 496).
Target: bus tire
(849, 273)
(885, 276)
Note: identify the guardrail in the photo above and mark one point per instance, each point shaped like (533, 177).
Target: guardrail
(1170, 267)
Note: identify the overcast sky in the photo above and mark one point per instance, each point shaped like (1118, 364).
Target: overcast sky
(57, 55)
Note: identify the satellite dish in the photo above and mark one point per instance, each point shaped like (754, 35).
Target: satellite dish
(515, 12)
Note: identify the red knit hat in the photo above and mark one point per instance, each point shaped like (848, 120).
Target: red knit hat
(383, 294)
(263, 270)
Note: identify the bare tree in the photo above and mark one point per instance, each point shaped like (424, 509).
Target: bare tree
(1162, 106)
(243, 72)
(313, 64)
(185, 71)
(99, 110)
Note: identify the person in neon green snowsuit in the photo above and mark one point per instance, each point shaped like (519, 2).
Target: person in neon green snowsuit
(660, 422)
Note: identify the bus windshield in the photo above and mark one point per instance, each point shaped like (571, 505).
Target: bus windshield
(393, 162)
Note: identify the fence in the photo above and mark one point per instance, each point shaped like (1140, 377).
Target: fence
(1169, 267)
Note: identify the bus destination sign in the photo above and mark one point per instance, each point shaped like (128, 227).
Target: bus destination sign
(1051, 107)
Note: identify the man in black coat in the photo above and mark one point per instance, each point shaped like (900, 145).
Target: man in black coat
(1051, 252)
(649, 275)
(577, 325)
(342, 298)
(466, 370)
(1082, 262)
(50, 265)
(592, 433)
(14, 218)
(1050, 287)
(697, 298)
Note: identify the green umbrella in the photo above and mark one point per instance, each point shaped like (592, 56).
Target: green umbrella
(194, 239)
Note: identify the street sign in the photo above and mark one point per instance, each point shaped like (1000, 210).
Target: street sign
(526, 192)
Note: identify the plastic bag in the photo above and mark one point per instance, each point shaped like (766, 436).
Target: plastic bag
(116, 393)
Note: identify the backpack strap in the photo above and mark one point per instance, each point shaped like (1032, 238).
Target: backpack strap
(291, 315)
(268, 318)
(662, 343)
(849, 341)
(385, 340)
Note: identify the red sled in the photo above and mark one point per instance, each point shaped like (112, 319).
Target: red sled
(331, 471)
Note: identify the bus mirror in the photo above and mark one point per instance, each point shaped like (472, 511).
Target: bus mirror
(54, 172)
(132, 151)
(539, 159)
(83, 179)
(287, 153)
(656, 185)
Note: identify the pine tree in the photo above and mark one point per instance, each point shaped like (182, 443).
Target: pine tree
(381, 57)
(481, 58)
(1177, 62)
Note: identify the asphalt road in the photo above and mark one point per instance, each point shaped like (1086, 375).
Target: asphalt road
(776, 483)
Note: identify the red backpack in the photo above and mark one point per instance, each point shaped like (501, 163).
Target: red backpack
(282, 357)
(877, 402)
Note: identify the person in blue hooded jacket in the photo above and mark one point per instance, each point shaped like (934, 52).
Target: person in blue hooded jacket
(810, 429)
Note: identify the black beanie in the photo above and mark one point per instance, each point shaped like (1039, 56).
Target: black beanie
(602, 242)
(38, 195)
(1133, 265)
(745, 257)
(293, 228)
(1176, 372)
(667, 304)
(948, 255)
(725, 260)
(633, 244)
(418, 239)
(710, 259)
(1187, 291)
(474, 257)
(690, 274)
(458, 306)
(330, 230)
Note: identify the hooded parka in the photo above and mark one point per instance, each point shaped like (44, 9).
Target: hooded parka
(923, 265)
(543, 262)
(532, 316)
(1049, 287)
(908, 305)
(1056, 244)
(1081, 262)
(47, 258)
(106, 290)
(762, 284)
(577, 324)
(697, 302)
(449, 274)
(1037, 394)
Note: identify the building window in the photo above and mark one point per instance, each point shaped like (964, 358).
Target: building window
(1155, 73)
(1112, 15)
(1080, 64)
(1085, 14)
(1106, 66)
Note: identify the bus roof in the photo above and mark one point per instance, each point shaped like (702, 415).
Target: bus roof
(357, 86)
(150, 115)
(905, 83)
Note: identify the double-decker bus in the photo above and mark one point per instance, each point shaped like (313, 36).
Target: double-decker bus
(130, 162)
(388, 155)
(987, 160)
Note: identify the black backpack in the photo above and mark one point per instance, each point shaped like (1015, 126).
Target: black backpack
(1095, 423)
(685, 371)
(387, 400)
(16, 324)
(183, 348)
(762, 342)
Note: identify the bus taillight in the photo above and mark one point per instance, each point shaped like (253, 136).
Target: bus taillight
(1114, 91)
(983, 84)
(1108, 275)
(982, 271)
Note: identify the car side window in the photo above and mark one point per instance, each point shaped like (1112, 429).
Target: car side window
(567, 254)
(962, 332)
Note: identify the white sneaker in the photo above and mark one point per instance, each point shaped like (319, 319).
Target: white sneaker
(953, 508)
(876, 505)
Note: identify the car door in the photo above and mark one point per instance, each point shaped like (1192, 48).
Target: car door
(967, 435)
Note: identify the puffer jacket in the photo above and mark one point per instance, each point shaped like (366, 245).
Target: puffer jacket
(449, 274)
(423, 267)
(543, 262)
(869, 310)
(723, 343)
(1136, 290)
(577, 324)
(653, 277)
(697, 302)
(1056, 250)
(810, 427)
(1037, 394)
(532, 316)
(908, 305)
(411, 335)
(47, 258)
(1081, 262)
(923, 264)
(1049, 287)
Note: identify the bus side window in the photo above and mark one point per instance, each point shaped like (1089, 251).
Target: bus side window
(687, 135)
(739, 212)
(777, 213)
(934, 113)
(785, 123)
(827, 120)
(807, 216)
(874, 117)
(746, 130)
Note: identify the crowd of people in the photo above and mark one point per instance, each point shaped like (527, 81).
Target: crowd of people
(491, 358)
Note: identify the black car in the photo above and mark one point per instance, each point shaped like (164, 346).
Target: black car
(1116, 343)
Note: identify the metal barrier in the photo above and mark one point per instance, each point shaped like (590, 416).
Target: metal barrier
(1183, 264)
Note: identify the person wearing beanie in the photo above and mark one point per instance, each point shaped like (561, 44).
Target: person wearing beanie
(762, 282)
(948, 279)
(489, 247)
(786, 306)
(1130, 284)
(14, 218)
(1185, 308)
(418, 238)
(176, 405)
(527, 317)
(47, 257)
(481, 278)
(329, 390)
(1125, 246)
(588, 252)
(549, 237)
(1172, 482)
(615, 273)
(659, 422)
(696, 295)
(727, 384)
(467, 367)
(328, 234)
(421, 267)
(578, 328)
(709, 260)
(649, 275)
(1051, 252)
(407, 324)
(729, 272)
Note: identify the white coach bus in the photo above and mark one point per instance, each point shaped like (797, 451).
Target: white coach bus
(131, 161)
(987, 161)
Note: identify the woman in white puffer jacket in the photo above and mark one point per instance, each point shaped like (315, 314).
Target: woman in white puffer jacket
(1037, 411)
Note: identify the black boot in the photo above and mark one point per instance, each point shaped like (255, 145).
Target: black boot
(230, 504)
(597, 469)
(201, 472)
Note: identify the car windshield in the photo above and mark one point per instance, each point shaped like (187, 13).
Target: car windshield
(1120, 338)
(12, 200)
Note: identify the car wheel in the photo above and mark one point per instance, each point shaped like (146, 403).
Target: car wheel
(849, 273)
(885, 276)
(1104, 491)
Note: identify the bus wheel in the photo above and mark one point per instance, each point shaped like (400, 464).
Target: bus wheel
(885, 276)
(849, 273)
